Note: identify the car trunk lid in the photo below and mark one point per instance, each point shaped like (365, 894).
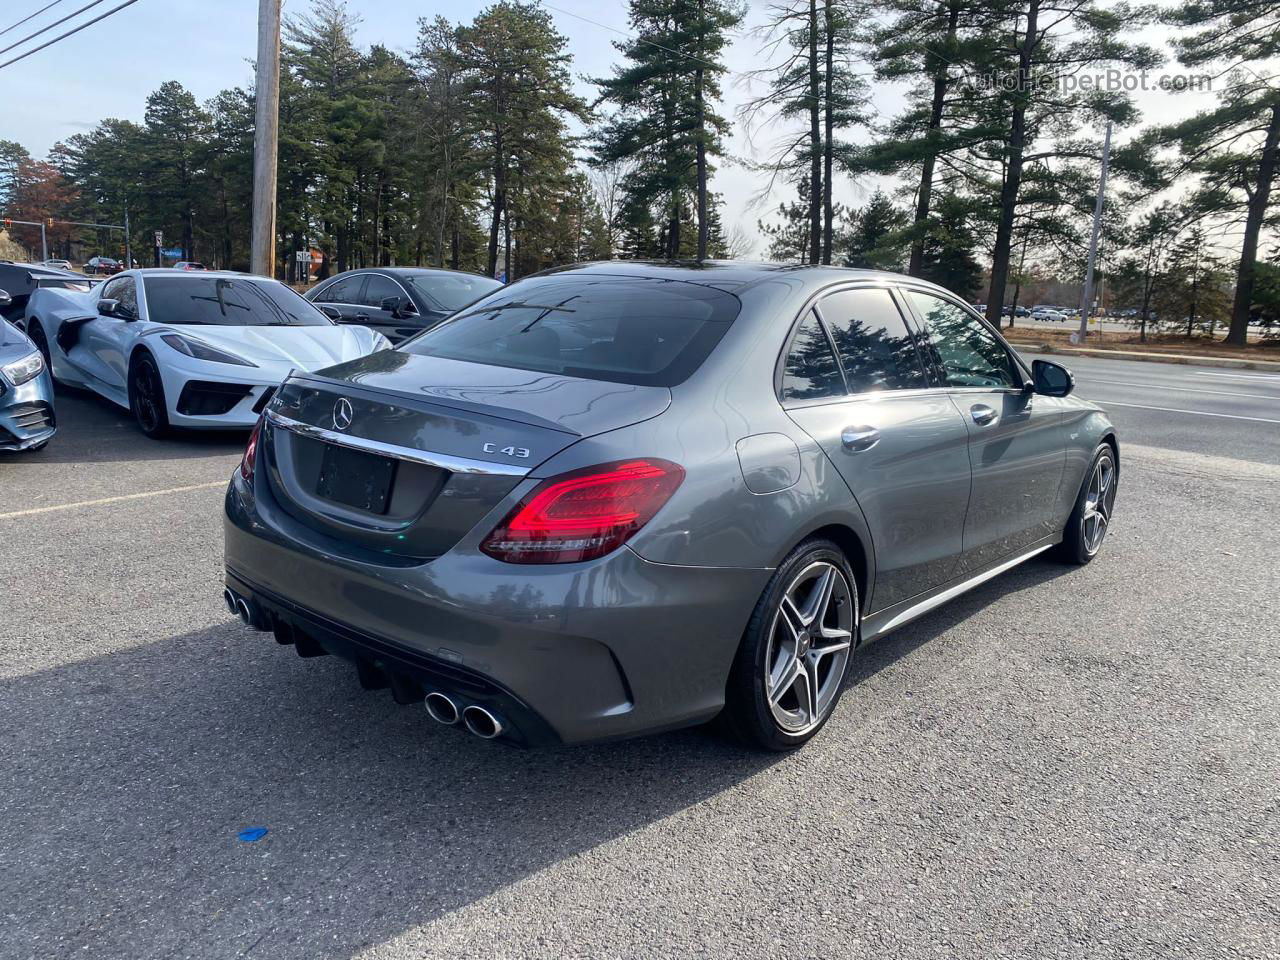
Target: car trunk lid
(398, 456)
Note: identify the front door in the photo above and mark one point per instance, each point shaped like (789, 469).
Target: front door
(900, 445)
(395, 325)
(1016, 446)
(99, 349)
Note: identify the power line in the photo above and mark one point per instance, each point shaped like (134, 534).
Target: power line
(31, 17)
(55, 23)
(63, 36)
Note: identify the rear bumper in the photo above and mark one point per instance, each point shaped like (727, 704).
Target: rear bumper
(574, 652)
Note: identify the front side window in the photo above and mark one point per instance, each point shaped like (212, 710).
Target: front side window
(637, 330)
(125, 292)
(874, 343)
(811, 371)
(228, 302)
(379, 288)
(970, 354)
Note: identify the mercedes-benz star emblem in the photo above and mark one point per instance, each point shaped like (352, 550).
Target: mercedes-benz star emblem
(342, 414)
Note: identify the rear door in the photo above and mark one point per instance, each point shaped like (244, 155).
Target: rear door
(1016, 446)
(898, 442)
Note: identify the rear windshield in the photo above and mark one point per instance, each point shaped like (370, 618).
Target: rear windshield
(446, 291)
(228, 302)
(640, 330)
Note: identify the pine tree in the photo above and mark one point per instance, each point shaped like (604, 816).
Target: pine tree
(177, 129)
(814, 92)
(875, 235)
(1031, 104)
(664, 118)
(518, 102)
(1236, 146)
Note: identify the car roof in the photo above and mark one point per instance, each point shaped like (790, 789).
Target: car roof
(406, 272)
(148, 272)
(738, 275)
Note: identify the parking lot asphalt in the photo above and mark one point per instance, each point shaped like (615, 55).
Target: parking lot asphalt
(1066, 762)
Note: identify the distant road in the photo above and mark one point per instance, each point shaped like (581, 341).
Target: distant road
(1210, 410)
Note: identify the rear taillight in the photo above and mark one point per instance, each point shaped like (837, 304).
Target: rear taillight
(584, 514)
(250, 458)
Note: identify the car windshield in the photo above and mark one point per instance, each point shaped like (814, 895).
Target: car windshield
(638, 330)
(228, 301)
(450, 291)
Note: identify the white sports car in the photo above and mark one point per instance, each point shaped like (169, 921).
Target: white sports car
(187, 349)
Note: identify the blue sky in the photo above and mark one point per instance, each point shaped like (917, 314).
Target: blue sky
(110, 68)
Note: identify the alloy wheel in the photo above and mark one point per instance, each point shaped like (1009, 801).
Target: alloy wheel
(144, 387)
(809, 645)
(1098, 500)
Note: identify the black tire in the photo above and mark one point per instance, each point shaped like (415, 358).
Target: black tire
(146, 397)
(1086, 528)
(749, 714)
(35, 333)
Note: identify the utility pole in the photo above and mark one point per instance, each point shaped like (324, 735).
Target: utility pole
(128, 247)
(1086, 298)
(44, 243)
(266, 139)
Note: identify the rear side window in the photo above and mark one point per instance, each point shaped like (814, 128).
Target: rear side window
(873, 341)
(638, 330)
(811, 370)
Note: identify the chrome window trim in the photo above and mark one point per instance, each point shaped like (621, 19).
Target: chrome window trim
(867, 397)
(442, 461)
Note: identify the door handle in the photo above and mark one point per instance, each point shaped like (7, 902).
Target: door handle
(857, 439)
(360, 318)
(983, 415)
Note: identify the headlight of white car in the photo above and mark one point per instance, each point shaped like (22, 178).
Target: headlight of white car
(202, 351)
(28, 368)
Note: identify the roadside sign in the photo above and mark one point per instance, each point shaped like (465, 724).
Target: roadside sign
(159, 238)
(302, 256)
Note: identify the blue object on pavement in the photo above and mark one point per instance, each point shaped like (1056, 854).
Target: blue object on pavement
(253, 834)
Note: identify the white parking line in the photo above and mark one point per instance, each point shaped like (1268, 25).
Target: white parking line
(106, 500)
(1194, 413)
(1177, 388)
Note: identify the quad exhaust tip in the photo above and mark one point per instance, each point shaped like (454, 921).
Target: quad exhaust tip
(442, 708)
(482, 723)
(229, 599)
(243, 612)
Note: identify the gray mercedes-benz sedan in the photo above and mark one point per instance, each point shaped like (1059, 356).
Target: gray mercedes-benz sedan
(619, 498)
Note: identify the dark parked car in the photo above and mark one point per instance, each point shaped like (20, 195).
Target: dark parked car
(20, 280)
(619, 498)
(398, 302)
(102, 266)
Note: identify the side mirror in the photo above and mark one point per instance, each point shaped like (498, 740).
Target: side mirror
(1052, 379)
(390, 305)
(333, 313)
(108, 308)
(5, 299)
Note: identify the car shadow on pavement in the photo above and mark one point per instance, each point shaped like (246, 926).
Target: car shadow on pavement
(127, 779)
(93, 429)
